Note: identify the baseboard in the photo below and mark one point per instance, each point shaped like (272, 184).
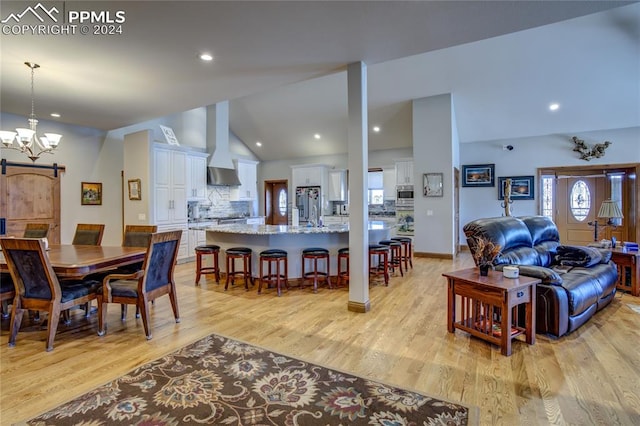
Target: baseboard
(433, 255)
(359, 307)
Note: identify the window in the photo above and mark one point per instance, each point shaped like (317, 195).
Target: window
(616, 195)
(282, 202)
(375, 193)
(376, 196)
(580, 200)
(547, 196)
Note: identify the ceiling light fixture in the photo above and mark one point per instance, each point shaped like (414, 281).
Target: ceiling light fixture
(376, 129)
(23, 139)
(206, 57)
(55, 114)
(317, 136)
(554, 107)
(259, 143)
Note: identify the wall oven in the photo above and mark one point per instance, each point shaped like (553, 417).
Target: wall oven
(404, 197)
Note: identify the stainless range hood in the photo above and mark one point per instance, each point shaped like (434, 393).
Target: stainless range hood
(221, 171)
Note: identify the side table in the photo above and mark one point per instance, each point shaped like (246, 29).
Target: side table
(628, 263)
(488, 306)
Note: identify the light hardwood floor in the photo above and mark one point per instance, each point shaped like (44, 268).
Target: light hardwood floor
(591, 376)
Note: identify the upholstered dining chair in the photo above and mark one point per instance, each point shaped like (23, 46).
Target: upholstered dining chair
(36, 230)
(155, 279)
(7, 292)
(37, 287)
(88, 234)
(138, 235)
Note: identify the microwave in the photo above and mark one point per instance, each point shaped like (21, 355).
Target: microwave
(404, 193)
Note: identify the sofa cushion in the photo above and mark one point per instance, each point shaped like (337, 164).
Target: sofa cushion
(583, 290)
(520, 256)
(509, 233)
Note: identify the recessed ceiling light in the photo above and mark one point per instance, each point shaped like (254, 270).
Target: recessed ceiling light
(259, 143)
(376, 129)
(55, 114)
(317, 136)
(554, 106)
(206, 57)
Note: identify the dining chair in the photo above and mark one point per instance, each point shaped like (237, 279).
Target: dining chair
(7, 292)
(36, 230)
(138, 235)
(155, 279)
(37, 287)
(88, 234)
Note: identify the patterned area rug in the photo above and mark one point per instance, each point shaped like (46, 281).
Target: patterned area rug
(223, 381)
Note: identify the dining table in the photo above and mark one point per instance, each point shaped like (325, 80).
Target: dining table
(78, 261)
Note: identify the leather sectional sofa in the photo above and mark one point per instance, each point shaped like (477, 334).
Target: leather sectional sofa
(577, 281)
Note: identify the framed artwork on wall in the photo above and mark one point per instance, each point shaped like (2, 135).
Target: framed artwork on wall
(478, 175)
(432, 184)
(521, 187)
(91, 193)
(135, 189)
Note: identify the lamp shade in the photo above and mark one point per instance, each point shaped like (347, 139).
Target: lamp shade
(609, 209)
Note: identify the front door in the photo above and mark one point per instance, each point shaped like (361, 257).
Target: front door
(276, 202)
(30, 194)
(579, 199)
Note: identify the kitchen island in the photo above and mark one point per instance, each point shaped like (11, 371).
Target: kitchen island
(293, 239)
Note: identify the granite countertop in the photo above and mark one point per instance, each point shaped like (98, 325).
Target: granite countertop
(287, 229)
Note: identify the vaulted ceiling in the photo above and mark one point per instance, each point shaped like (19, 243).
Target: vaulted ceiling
(282, 66)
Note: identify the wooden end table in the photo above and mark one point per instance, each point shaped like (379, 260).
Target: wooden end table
(488, 306)
(628, 263)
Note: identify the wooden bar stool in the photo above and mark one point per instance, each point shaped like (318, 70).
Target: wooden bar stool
(243, 253)
(209, 249)
(379, 261)
(395, 248)
(343, 274)
(314, 254)
(274, 257)
(407, 256)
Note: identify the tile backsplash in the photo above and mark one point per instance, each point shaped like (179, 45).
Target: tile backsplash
(218, 204)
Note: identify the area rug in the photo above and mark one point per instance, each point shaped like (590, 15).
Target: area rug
(218, 380)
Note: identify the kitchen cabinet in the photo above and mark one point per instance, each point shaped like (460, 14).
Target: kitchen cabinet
(315, 175)
(170, 187)
(248, 174)
(196, 237)
(404, 172)
(183, 250)
(389, 182)
(337, 185)
(197, 173)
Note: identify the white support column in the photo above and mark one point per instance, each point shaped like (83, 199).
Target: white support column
(358, 161)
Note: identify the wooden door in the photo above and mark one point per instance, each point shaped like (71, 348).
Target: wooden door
(276, 203)
(30, 193)
(579, 199)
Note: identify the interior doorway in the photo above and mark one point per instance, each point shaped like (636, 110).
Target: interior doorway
(30, 193)
(276, 202)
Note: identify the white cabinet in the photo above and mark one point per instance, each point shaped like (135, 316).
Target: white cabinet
(404, 172)
(197, 237)
(309, 175)
(389, 182)
(197, 173)
(183, 250)
(337, 185)
(248, 174)
(170, 186)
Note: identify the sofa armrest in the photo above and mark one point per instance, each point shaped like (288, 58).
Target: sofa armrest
(548, 276)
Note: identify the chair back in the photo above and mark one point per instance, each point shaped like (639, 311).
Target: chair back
(36, 230)
(30, 269)
(160, 259)
(88, 234)
(138, 235)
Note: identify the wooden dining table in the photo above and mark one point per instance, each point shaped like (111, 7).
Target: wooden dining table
(75, 261)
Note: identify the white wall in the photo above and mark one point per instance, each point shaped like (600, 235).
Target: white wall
(527, 156)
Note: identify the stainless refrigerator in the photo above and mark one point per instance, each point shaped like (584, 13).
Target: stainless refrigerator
(308, 203)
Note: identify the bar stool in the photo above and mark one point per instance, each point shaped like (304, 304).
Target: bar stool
(408, 253)
(243, 253)
(379, 261)
(277, 257)
(343, 274)
(395, 248)
(314, 254)
(215, 269)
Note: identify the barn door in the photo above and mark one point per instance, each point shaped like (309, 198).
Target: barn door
(30, 193)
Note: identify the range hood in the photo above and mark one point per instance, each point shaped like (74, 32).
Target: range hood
(221, 171)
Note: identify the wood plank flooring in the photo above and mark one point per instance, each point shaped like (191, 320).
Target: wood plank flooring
(591, 376)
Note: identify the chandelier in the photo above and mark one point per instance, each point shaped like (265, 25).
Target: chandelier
(25, 139)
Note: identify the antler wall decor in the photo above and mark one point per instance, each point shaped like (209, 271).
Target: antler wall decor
(587, 153)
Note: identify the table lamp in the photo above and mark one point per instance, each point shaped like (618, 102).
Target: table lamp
(609, 210)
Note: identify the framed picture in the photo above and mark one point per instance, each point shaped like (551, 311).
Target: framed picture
(135, 189)
(91, 194)
(433, 184)
(521, 187)
(169, 135)
(478, 175)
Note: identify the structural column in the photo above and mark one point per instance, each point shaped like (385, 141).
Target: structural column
(358, 163)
